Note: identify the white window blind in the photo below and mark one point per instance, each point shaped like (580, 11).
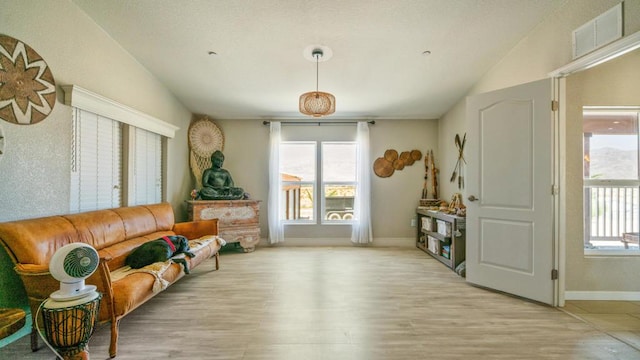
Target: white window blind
(147, 179)
(96, 162)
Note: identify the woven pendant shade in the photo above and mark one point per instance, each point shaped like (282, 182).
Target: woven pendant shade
(317, 103)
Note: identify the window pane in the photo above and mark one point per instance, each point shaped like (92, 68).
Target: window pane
(338, 202)
(307, 202)
(338, 161)
(147, 186)
(298, 159)
(297, 201)
(610, 146)
(613, 217)
(298, 173)
(610, 170)
(96, 162)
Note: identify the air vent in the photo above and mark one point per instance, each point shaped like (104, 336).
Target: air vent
(598, 32)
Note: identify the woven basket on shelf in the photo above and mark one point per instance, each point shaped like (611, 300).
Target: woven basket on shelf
(430, 202)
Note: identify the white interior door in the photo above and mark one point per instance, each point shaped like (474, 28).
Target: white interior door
(510, 243)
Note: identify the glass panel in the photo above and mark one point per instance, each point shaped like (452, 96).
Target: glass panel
(613, 217)
(147, 187)
(96, 172)
(610, 169)
(338, 161)
(297, 201)
(298, 173)
(307, 202)
(610, 145)
(298, 161)
(338, 202)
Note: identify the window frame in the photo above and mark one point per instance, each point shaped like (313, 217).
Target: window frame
(318, 184)
(312, 183)
(591, 183)
(100, 167)
(129, 120)
(323, 184)
(147, 183)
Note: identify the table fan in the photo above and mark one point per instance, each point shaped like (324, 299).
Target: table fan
(70, 313)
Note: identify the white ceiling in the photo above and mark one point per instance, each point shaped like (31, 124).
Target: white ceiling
(377, 69)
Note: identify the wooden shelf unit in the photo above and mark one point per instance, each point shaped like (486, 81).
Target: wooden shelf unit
(446, 235)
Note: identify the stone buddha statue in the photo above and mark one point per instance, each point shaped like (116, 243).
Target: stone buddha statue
(217, 183)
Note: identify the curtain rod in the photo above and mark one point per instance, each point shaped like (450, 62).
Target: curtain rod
(372, 122)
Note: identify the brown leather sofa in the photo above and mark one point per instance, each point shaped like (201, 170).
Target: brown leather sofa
(114, 233)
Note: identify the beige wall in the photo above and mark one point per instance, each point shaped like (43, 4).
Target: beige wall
(34, 170)
(616, 83)
(394, 199)
(545, 49)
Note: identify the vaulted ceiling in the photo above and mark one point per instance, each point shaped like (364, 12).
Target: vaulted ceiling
(378, 68)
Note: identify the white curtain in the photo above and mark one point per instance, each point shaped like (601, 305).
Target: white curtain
(276, 228)
(361, 227)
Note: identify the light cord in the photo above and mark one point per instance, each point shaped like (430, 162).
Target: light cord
(317, 71)
(35, 320)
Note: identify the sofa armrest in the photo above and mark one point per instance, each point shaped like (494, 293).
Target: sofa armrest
(104, 274)
(101, 278)
(37, 280)
(196, 229)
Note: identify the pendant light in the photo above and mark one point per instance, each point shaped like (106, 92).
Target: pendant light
(317, 103)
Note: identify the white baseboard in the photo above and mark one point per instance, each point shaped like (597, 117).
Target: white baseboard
(602, 295)
(377, 242)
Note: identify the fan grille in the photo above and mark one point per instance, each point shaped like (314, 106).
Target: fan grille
(80, 262)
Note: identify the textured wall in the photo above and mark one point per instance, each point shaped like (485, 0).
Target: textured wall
(545, 49)
(34, 172)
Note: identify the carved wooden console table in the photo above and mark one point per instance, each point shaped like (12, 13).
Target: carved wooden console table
(238, 220)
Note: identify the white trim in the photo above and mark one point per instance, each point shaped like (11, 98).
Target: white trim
(84, 99)
(602, 295)
(408, 242)
(612, 252)
(606, 53)
(558, 240)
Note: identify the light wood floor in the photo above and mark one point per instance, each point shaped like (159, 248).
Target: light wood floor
(343, 303)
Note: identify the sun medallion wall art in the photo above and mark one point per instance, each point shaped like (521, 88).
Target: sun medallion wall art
(27, 87)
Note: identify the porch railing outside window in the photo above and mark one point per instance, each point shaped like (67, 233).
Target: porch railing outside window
(611, 216)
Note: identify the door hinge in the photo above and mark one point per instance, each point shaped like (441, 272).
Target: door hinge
(554, 274)
(554, 189)
(554, 105)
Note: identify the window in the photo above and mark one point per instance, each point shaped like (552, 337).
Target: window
(298, 172)
(611, 180)
(147, 168)
(117, 153)
(96, 162)
(308, 175)
(338, 180)
(99, 158)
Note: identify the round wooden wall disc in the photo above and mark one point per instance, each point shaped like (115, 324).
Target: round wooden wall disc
(405, 156)
(416, 155)
(391, 155)
(398, 164)
(383, 167)
(28, 90)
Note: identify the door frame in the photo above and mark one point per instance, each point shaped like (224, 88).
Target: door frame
(559, 244)
(558, 76)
